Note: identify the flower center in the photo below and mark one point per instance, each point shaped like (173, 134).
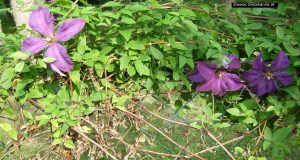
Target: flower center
(269, 75)
(50, 40)
(220, 74)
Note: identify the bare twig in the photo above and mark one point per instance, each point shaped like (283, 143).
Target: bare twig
(163, 134)
(95, 143)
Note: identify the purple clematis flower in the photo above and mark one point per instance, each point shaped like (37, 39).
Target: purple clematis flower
(216, 78)
(262, 77)
(42, 21)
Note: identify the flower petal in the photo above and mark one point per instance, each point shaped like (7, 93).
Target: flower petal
(206, 70)
(261, 88)
(33, 45)
(284, 78)
(252, 76)
(55, 69)
(63, 62)
(232, 82)
(220, 88)
(281, 62)
(234, 62)
(258, 64)
(207, 85)
(195, 76)
(41, 20)
(69, 29)
(271, 86)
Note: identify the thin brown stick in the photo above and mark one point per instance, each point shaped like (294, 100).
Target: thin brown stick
(260, 135)
(216, 140)
(205, 129)
(36, 104)
(95, 143)
(163, 134)
(71, 84)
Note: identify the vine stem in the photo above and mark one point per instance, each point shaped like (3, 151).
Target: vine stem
(205, 129)
(159, 131)
(95, 143)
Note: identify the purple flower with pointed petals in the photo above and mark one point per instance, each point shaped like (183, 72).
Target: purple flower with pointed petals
(42, 21)
(216, 79)
(262, 77)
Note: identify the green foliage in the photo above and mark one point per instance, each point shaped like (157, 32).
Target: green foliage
(148, 47)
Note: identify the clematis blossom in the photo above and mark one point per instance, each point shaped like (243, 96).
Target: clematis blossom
(263, 78)
(216, 78)
(41, 20)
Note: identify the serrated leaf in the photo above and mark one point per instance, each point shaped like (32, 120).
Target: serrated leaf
(69, 144)
(234, 111)
(156, 53)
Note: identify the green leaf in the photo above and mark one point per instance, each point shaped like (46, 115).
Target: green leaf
(10, 131)
(6, 78)
(69, 144)
(141, 68)
(137, 45)
(266, 145)
(235, 27)
(56, 141)
(20, 55)
(234, 111)
(27, 114)
(281, 134)
(48, 59)
(280, 32)
(176, 75)
(249, 47)
(293, 91)
(268, 134)
(19, 67)
(156, 53)
(111, 4)
(36, 93)
(130, 70)
(187, 12)
(182, 61)
(126, 33)
(179, 46)
(43, 119)
(124, 61)
(254, 26)
(128, 20)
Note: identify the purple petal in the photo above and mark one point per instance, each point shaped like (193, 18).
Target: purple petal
(281, 62)
(69, 29)
(234, 62)
(252, 76)
(195, 76)
(33, 45)
(207, 85)
(206, 70)
(63, 62)
(271, 86)
(258, 64)
(41, 20)
(232, 82)
(261, 87)
(220, 88)
(283, 77)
